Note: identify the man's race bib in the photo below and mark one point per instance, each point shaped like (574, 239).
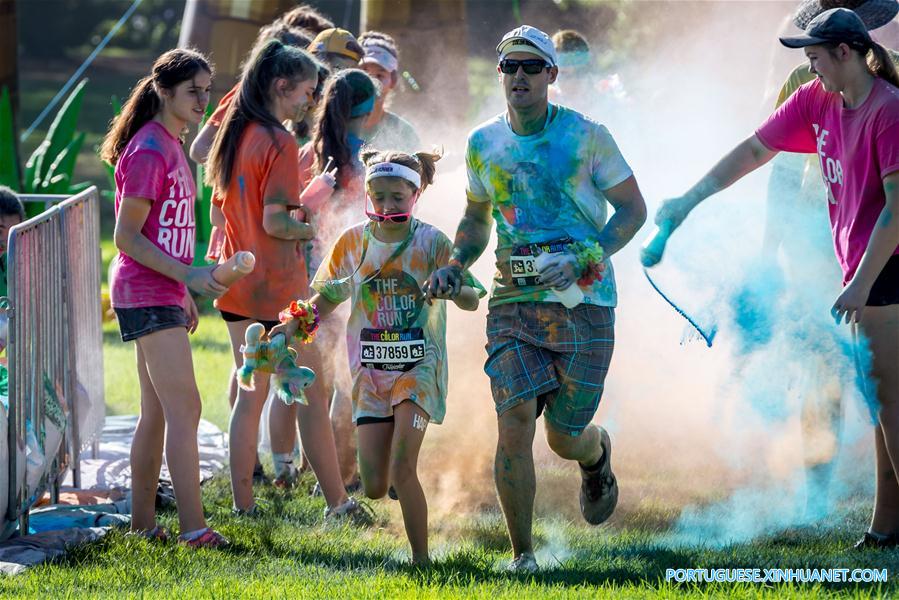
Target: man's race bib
(523, 262)
(391, 349)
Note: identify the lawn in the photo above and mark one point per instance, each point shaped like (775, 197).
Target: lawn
(289, 552)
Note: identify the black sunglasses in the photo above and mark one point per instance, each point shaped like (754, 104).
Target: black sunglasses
(530, 66)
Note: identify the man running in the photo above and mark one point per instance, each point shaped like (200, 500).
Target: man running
(545, 173)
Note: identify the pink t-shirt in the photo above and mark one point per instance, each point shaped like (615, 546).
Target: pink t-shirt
(857, 148)
(153, 166)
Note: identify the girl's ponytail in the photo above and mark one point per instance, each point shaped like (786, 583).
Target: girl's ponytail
(881, 64)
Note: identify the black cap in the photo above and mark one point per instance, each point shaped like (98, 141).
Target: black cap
(837, 25)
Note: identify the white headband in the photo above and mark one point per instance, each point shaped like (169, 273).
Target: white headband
(381, 56)
(389, 169)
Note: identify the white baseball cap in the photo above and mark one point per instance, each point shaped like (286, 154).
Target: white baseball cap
(527, 39)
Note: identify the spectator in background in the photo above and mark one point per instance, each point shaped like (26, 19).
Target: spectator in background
(277, 30)
(253, 162)
(580, 85)
(337, 48)
(385, 129)
(199, 151)
(347, 102)
(11, 214)
(308, 18)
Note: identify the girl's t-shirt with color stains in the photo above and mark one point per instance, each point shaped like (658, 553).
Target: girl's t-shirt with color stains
(153, 167)
(546, 191)
(265, 172)
(396, 342)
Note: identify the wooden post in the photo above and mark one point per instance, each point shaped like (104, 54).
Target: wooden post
(225, 31)
(9, 60)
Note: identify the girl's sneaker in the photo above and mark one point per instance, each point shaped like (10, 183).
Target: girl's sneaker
(286, 479)
(259, 476)
(157, 534)
(357, 512)
(209, 538)
(524, 563)
(252, 512)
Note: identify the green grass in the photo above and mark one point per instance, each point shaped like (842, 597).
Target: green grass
(290, 553)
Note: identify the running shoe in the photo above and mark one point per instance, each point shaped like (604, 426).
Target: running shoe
(286, 479)
(208, 539)
(252, 512)
(157, 534)
(259, 476)
(357, 512)
(870, 542)
(524, 563)
(599, 489)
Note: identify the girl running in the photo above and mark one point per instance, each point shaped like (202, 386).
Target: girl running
(151, 275)
(849, 116)
(253, 165)
(348, 99)
(396, 341)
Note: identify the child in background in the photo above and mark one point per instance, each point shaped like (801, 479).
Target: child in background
(11, 214)
(348, 99)
(385, 129)
(396, 341)
(253, 162)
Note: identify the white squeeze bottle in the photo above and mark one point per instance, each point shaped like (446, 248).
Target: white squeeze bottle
(652, 250)
(235, 268)
(570, 296)
(320, 189)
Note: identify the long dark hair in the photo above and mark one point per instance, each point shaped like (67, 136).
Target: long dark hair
(302, 129)
(271, 61)
(170, 69)
(343, 91)
(422, 163)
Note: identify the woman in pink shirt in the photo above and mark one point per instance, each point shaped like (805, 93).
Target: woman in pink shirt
(849, 116)
(150, 278)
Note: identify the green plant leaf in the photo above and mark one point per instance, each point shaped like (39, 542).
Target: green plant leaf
(61, 131)
(31, 182)
(63, 165)
(78, 187)
(9, 164)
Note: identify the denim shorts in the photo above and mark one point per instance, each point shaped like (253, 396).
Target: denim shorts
(144, 320)
(555, 355)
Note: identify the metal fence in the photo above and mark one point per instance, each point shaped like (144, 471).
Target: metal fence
(55, 340)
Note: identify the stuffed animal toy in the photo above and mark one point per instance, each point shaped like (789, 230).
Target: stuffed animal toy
(276, 357)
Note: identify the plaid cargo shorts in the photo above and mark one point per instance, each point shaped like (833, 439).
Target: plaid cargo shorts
(556, 355)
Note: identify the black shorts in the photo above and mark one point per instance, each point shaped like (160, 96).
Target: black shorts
(144, 320)
(373, 420)
(885, 290)
(230, 317)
